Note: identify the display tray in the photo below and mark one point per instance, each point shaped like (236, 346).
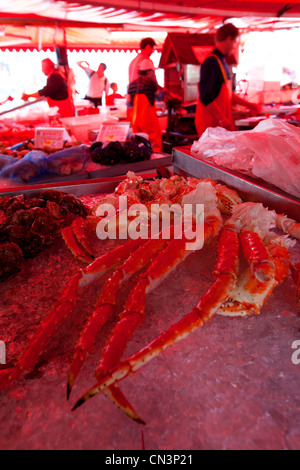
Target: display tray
(250, 121)
(76, 187)
(233, 384)
(95, 171)
(281, 109)
(157, 159)
(249, 189)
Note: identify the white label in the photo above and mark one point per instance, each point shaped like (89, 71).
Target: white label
(113, 132)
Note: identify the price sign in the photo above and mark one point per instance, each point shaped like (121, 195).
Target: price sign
(110, 132)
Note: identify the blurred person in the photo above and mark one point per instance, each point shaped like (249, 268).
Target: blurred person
(141, 96)
(98, 83)
(147, 47)
(56, 90)
(69, 75)
(110, 100)
(288, 78)
(214, 107)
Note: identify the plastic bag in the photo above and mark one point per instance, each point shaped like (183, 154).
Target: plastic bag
(68, 161)
(6, 160)
(135, 149)
(108, 153)
(32, 165)
(270, 151)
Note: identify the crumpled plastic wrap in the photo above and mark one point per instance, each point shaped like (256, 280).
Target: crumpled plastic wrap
(27, 168)
(36, 163)
(270, 151)
(5, 160)
(68, 161)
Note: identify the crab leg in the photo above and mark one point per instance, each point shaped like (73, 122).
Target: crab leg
(30, 356)
(117, 396)
(106, 303)
(250, 294)
(226, 275)
(73, 245)
(80, 226)
(76, 240)
(104, 309)
(253, 222)
(75, 235)
(130, 319)
(257, 256)
(288, 225)
(134, 310)
(63, 307)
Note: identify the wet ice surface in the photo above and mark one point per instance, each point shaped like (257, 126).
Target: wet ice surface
(230, 385)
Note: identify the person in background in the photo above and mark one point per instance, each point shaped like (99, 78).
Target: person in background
(110, 100)
(288, 78)
(69, 75)
(214, 107)
(147, 46)
(98, 83)
(56, 90)
(141, 96)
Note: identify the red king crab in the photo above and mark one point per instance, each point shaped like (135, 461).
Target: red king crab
(232, 293)
(31, 224)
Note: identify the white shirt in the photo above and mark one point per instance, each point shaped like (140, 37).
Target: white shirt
(133, 70)
(97, 85)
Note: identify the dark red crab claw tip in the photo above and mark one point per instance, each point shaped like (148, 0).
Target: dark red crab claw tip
(78, 403)
(69, 390)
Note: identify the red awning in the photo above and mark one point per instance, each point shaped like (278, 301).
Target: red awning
(89, 24)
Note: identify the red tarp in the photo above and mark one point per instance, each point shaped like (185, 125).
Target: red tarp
(90, 24)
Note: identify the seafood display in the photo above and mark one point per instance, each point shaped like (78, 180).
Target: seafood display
(12, 134)
(31, 224)
(135, 149)
(243, 283)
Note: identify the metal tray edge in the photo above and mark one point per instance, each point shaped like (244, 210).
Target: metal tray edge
(186, 164)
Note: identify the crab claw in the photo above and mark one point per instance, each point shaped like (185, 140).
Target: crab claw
(74, 246)
(288, 225)
(117, 396)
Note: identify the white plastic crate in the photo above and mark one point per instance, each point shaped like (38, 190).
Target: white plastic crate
(80, 126)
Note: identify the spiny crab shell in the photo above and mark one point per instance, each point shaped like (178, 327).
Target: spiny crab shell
(31, 224)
